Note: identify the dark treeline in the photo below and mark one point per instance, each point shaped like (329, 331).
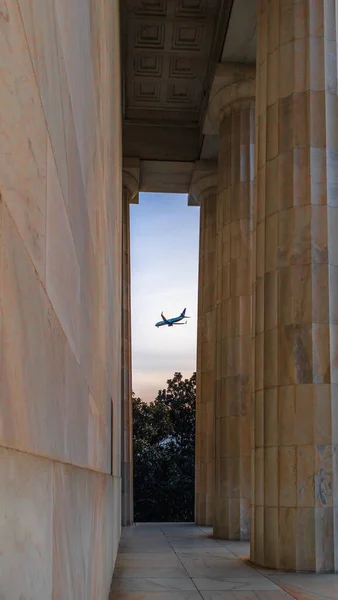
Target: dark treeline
(164, 453)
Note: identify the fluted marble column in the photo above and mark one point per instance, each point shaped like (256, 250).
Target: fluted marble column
(233, 105)
(204, 191)
(130, 194)
(295, 497)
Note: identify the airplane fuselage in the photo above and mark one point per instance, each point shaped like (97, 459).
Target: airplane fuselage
(169, 322)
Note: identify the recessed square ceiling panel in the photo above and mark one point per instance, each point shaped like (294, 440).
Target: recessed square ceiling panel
(148, 65)
(195, 8)
(150, 7)
(169, 47)
(169, 41)
(149, 35)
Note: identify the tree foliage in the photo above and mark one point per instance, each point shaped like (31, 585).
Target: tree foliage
(164, 453)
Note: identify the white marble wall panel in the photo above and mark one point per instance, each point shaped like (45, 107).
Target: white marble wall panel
(82, 508)
(39, 23)
(62, 266)
(75, 33)
(32, 385)
(23, 138)
(83, 553)
(45, 398)
(26, 500)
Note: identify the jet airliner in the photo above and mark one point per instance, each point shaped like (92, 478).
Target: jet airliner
(173, 321)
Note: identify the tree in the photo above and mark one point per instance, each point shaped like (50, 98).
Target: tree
(164, 453)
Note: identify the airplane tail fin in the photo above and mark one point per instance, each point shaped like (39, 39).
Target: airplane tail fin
(183, 313)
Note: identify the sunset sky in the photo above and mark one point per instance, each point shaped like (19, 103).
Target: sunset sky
(164, 271)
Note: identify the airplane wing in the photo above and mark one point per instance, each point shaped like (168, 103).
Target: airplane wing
(163, 317)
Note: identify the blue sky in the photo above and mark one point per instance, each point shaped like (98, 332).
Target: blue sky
(164, 235)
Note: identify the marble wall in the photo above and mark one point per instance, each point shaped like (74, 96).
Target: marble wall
(60, 261)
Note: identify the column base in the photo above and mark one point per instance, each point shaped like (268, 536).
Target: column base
(294, 540)
(300, 571)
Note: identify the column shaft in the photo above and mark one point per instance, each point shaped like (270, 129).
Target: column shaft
(205, 388)
(126, 392)
(295, 495)
(233, 323)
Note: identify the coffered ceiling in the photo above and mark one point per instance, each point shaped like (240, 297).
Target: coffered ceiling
(170, 49)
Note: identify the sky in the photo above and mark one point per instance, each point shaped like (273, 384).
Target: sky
(164, 234)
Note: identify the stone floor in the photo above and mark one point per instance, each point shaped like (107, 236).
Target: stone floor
(183, 562)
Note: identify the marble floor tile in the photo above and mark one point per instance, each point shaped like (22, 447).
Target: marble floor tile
(183, 532)
(149, 572)
(142, 550)
(150, 584)
(192, 542)
(222, 571)
(168, 595)
(145, 541)
(184, 562)
(130, 547)
(144, 535)
(141, 530)
(147, 560)
(234, 584)
(241, 549)
(227, 561)
(251, 595)
(216, 551)
(308, 586)
(135, 530)
(146, 550)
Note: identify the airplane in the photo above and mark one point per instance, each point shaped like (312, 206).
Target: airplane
(173, 321)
